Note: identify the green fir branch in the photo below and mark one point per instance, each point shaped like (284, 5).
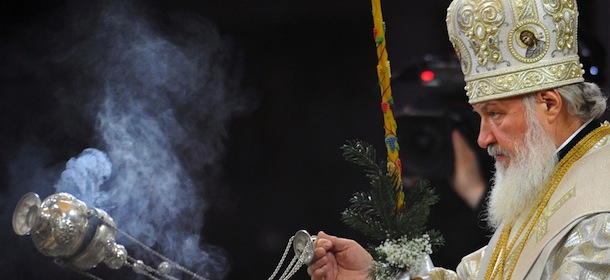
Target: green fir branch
(374, 213)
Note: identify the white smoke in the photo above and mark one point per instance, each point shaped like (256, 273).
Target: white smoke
(157, 97)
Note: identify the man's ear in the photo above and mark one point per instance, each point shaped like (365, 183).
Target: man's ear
(552, 102)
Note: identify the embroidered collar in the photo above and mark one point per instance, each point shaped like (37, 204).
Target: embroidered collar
(585, 129)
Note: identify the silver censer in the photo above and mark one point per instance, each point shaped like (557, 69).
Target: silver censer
(66, 229)
(303, 246)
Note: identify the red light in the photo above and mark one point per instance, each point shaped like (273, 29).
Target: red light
(427, 76)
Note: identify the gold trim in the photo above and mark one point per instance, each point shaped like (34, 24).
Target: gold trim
(542, 227)
(480, 22)
(463, 54)
(539, 76)
(524, 10)
(565, 18)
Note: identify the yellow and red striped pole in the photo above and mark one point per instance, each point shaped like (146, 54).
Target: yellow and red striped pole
(387, 101)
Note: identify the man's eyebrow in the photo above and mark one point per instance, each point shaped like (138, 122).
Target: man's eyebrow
(482, 108)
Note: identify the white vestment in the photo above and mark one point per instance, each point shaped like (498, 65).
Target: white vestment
(571, 239)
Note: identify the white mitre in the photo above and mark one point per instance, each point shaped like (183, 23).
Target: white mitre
(513, 47)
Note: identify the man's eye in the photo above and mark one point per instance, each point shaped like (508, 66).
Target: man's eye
(493, 114)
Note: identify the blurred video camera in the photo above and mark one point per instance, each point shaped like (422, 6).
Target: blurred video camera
(430, 102)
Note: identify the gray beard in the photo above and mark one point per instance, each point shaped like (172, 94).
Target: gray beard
(518, 186)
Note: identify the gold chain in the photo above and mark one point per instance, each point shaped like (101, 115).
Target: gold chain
(502, 250)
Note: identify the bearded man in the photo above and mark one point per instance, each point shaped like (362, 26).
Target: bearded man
(539, 121)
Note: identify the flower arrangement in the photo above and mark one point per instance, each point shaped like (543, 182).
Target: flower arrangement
(404, 242)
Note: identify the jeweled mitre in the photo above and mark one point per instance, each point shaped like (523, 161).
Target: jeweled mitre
(513, 47)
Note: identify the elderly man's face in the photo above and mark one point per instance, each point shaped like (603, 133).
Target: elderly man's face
(524, 150)
(503, 124)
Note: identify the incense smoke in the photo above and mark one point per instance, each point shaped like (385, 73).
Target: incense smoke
(157, 97)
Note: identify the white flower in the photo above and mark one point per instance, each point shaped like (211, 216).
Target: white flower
(405, 254)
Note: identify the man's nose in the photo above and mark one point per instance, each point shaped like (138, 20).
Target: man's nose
(486, 136)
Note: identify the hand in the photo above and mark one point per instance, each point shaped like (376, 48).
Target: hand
(339, 259)
(467, 179)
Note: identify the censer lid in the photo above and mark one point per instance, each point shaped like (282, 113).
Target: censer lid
(25, 213)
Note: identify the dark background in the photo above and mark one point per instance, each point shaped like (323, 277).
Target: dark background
(309, 73)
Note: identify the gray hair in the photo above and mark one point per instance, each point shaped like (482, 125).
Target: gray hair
(584, 100)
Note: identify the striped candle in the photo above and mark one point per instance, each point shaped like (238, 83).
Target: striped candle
(387, 102)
